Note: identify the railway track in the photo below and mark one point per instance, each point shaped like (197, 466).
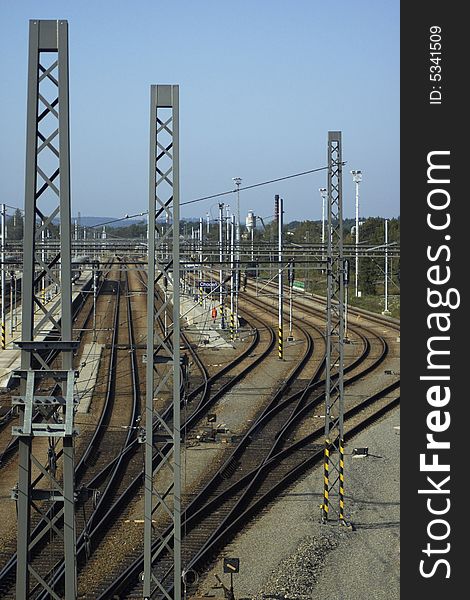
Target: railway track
(89, 535)
(272, 454)
(39, 536)
(201, 398)
(210, 394)
(217, 513)
(82, 317)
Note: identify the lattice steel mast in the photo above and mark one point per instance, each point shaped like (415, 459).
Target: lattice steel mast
(162, 537)
(334, 403)
(47, 197)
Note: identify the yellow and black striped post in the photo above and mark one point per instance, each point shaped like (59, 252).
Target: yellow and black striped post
(341, 480)
(281, 343)
(232, 326)
(222, 317)
(326, 481)
(200, 296)
(3, 337)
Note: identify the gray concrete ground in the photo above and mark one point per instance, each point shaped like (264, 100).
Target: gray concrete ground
(199, 323)
(86, 380)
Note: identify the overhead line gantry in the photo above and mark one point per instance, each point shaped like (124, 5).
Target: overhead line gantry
(333, 482)
(47, 197)
(162, 512)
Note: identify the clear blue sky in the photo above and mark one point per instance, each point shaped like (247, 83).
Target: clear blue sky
(261, 83)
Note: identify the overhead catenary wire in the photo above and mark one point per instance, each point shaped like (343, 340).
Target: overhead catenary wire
(218, 195)
(254, 185)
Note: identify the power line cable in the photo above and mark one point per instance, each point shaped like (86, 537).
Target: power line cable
(254, 185)
(246, 187)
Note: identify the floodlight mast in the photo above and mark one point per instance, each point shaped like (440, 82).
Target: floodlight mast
(357, 178)
(237, 181)
(221, 272)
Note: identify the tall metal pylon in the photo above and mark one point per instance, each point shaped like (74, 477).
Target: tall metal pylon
(46, 471)
(333, 498)
(162, 518)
